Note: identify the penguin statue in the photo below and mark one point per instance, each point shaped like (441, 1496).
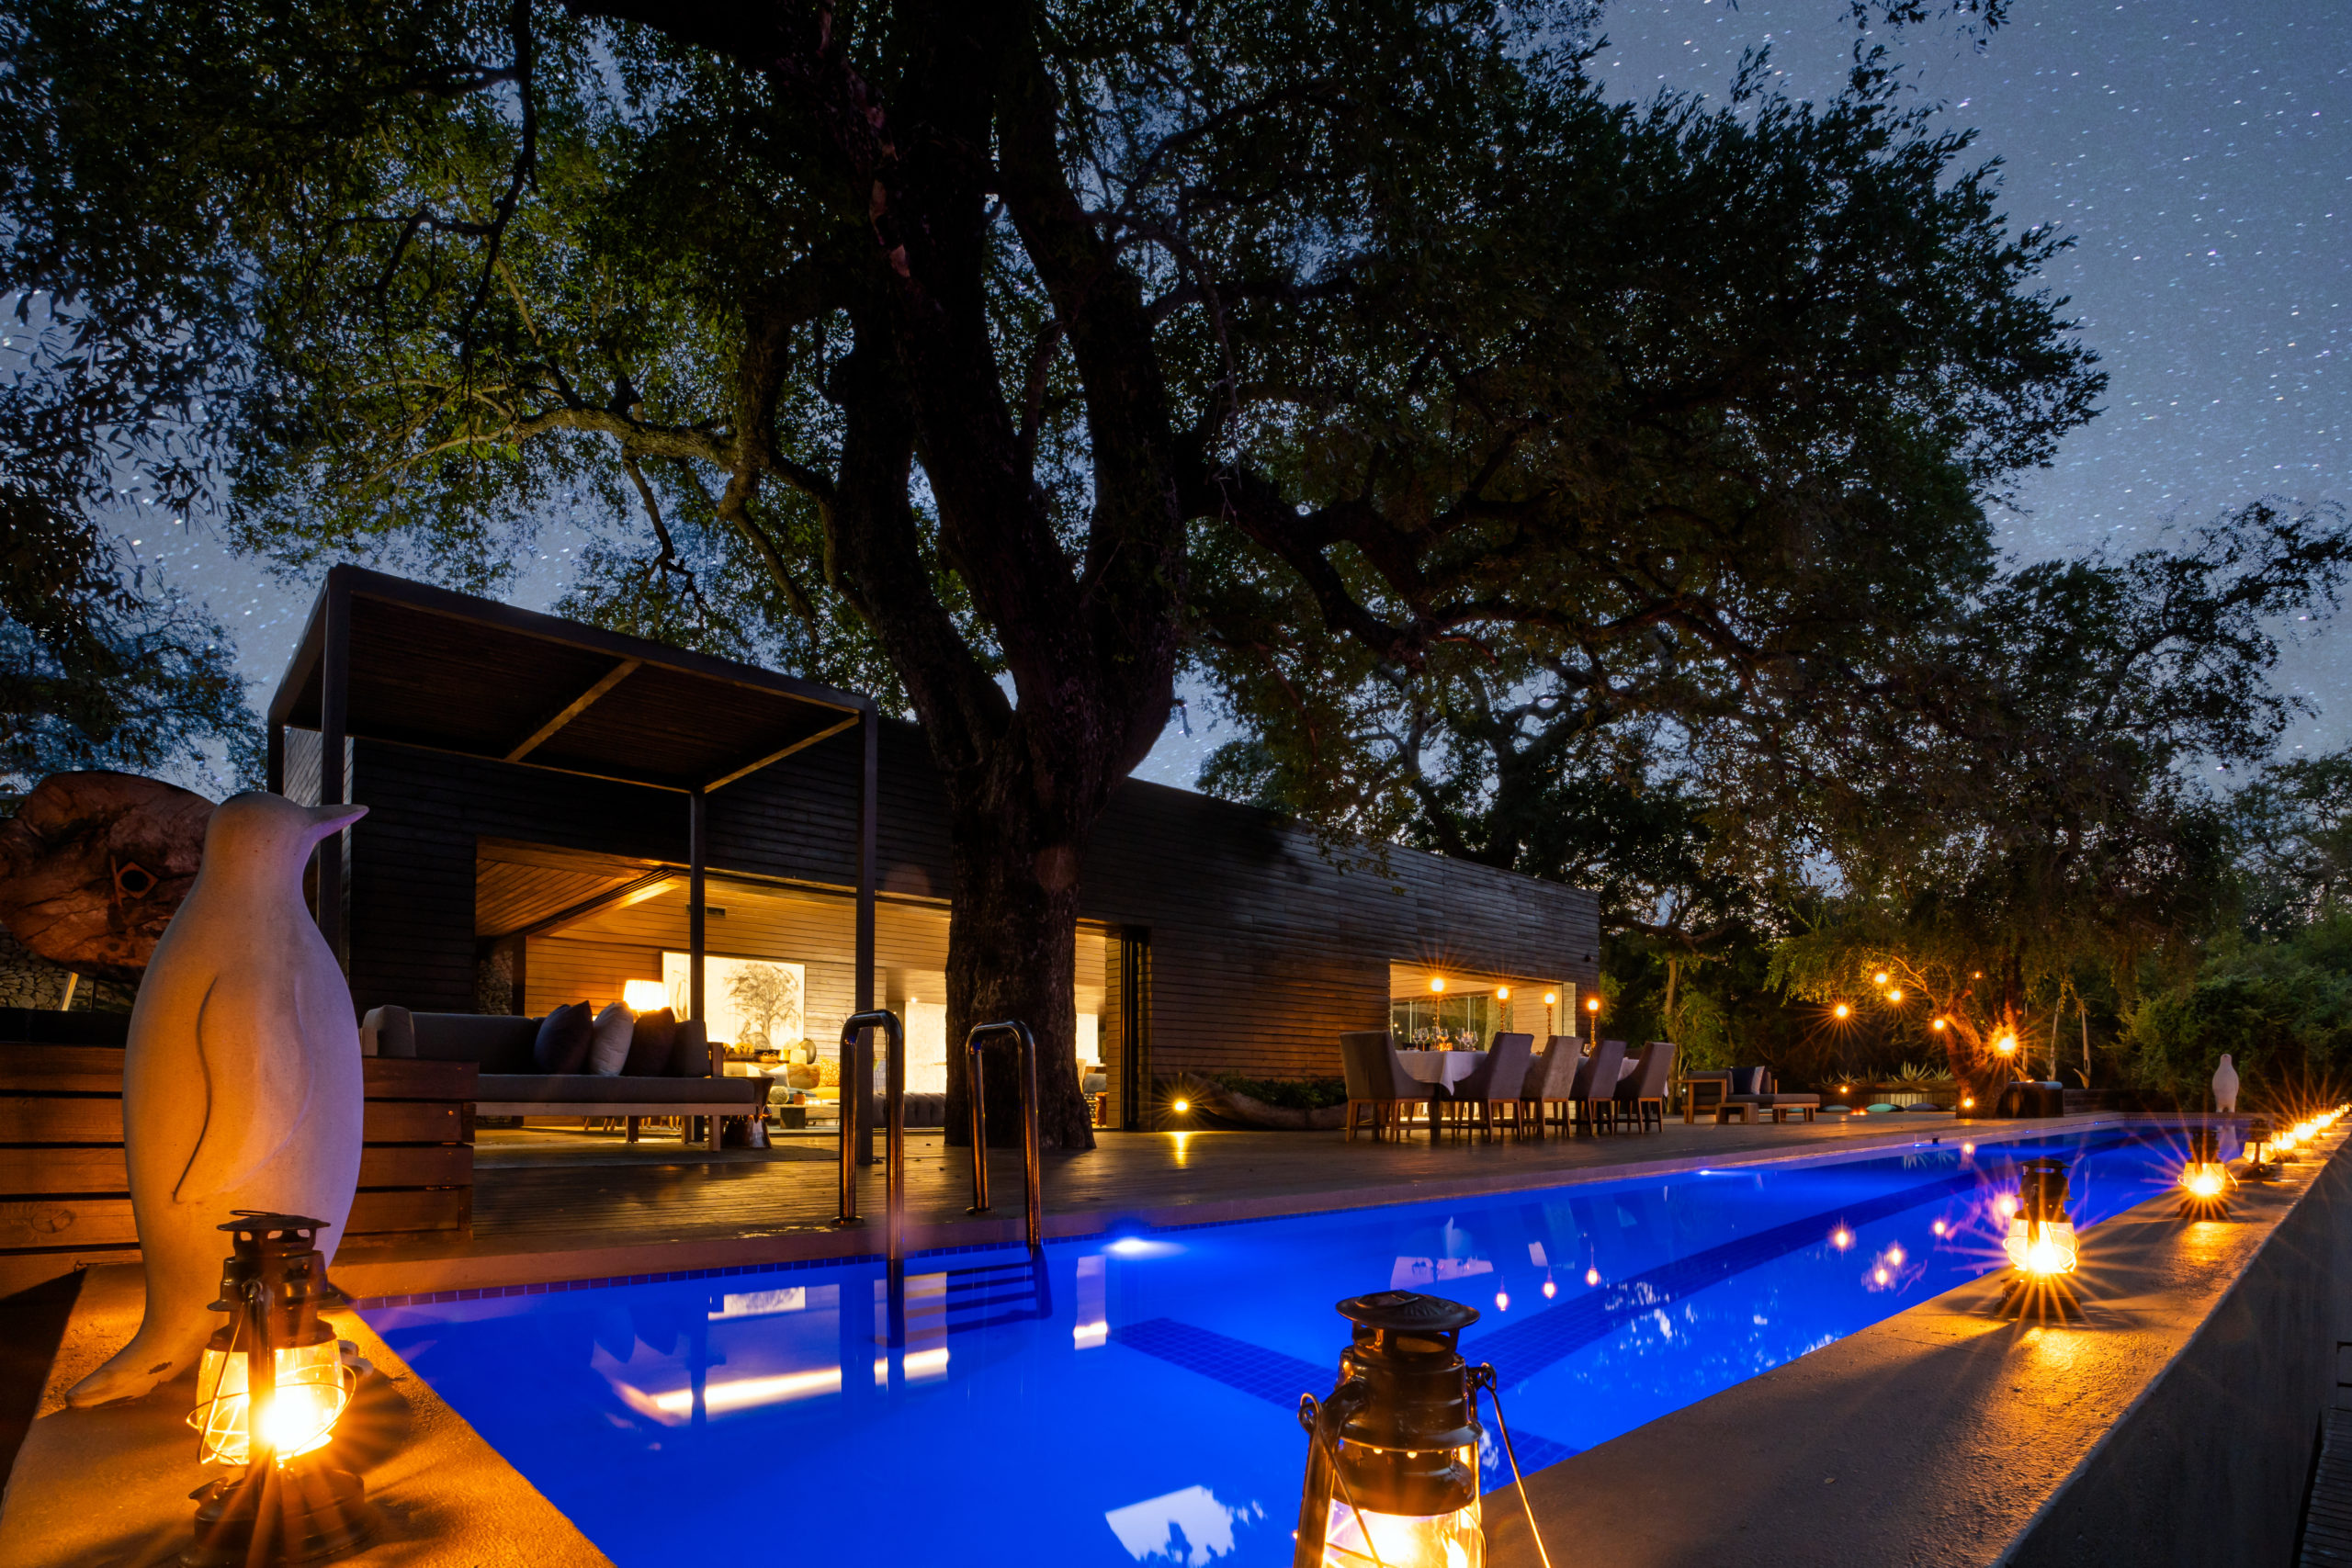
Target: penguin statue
(242, 1087)
(2225, 1086)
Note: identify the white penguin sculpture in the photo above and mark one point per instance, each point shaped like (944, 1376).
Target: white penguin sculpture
(242, 1087)
(2225, 1086)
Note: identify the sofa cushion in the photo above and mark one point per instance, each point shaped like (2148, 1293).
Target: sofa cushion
(564, 1037)
(651, 1043)
(609, 1040)
(1748, 1080)
(499, 1043)
(590, 1089)
(690, 1054)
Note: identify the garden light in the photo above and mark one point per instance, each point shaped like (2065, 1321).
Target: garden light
(2204, 1180)
(1938, 1026)
(1841, 1010)
(1392, 1461)
(2007, 1046)
(1894, 996)
(1879, 979)
(2041, 1243)
(269, 1390)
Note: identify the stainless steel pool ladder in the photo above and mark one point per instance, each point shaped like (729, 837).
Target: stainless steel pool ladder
(856, 1087)
(1016, 1034)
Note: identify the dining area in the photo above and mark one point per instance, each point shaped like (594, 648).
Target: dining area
(1570, 1086)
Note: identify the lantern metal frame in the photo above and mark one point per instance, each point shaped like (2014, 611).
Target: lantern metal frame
(1393, 1460)
(295, 1506)
(2042, 1284)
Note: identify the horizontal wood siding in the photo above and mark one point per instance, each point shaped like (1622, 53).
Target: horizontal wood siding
(65, 1186)
(1263, 948)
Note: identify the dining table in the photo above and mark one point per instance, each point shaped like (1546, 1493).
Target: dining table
(1441, 1070)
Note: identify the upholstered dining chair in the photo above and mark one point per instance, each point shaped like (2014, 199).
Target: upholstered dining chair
(1643, 1090)
(1360, 1060)
(1551, 1080)
(1596, 1088)
(1495, 1081)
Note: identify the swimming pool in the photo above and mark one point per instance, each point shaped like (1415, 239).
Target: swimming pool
(1133, 1401)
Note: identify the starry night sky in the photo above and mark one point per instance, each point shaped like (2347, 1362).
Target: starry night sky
(2199, 151)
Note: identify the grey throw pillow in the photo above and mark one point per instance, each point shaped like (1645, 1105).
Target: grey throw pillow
(609, 1040)
(562, 1045)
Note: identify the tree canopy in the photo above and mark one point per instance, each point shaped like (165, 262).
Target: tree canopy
(985, 355)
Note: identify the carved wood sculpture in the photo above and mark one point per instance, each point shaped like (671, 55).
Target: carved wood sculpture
(94, 865)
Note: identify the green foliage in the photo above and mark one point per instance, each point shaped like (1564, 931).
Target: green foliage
(1293, 1094)
(2293, 826)
(2282, 1008)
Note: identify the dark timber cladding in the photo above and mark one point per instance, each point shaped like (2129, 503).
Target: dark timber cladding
(1237, 943)
(388, 665)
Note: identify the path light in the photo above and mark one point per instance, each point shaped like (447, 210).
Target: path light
(269, 1390)
(1392, 1461)
(1841, 1010)
(1968, 1102)
(2204, 1180)
(2041, 1243)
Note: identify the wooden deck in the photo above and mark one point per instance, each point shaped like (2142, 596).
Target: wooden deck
(552, 1206)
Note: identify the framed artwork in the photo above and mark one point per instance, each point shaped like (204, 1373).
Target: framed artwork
(753, 1004)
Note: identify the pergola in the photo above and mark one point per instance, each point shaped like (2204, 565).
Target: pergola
(385, 659)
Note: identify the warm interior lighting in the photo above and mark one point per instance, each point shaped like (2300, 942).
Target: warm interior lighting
(1437, 983)
(645, 995)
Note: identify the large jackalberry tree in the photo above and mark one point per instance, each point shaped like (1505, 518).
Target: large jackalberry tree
(930, 346)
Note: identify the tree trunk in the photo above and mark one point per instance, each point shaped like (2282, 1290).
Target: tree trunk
(1012, 955)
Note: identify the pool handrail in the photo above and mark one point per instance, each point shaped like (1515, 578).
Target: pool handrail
(1016, 1033)
(856, 1087)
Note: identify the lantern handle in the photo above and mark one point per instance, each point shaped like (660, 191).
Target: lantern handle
(1322, 1420)
(1483, 1376)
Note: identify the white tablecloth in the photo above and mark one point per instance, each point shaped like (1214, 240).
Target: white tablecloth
(1441, 1067)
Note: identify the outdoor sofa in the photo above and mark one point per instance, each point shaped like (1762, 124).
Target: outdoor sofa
(684, 1078)
(1755, 1092)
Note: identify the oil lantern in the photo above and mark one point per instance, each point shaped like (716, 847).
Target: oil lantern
(269, 1390)
(2041, 1243)
(1392, 1465)
(2204, 1180)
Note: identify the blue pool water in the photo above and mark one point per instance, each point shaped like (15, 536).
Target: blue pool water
(1136, 1403)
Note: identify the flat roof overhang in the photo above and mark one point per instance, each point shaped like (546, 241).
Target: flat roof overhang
(425, 666)
(385, 659)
